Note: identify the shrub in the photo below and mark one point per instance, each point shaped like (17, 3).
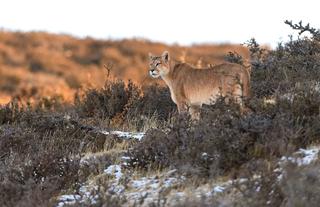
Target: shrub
(223, 139)
(9, 112)
(9, 84)
(119, 103)
(298, 186)
(109, 101)
(40, 155)
(155, 100)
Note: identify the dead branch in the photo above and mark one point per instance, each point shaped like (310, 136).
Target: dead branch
(301, 28)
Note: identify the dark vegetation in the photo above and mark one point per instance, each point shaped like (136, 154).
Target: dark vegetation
(117, 103)
(41, 145)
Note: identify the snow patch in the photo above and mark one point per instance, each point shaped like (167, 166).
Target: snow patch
(204, 154)
(149, 188)
(309, 156)
(125, 135)
(142, 182)
(85, 191)
(125, 158)
(218, 189)
(302, 156)
(68, 200)
(85, 196)
(152, 183)
(114, 170)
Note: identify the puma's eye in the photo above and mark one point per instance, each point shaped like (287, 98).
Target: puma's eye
(158, 64)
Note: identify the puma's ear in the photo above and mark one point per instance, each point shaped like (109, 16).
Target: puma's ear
(150, 55)
(165, 56)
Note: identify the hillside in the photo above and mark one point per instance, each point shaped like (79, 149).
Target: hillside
(37, 64)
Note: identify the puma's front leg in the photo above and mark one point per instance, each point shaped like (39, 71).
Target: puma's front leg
(195, 112)
(182, 107)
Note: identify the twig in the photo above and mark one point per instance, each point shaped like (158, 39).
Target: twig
(108, 67)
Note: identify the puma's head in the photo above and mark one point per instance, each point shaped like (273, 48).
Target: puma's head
(159, 65)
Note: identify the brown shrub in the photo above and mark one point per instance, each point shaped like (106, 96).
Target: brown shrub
(155, 100)
(9, 84)
(105, 102)
(118, 102)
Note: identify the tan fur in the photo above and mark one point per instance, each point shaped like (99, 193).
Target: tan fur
(191, 87)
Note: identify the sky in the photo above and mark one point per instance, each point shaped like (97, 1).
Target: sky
(175, 22)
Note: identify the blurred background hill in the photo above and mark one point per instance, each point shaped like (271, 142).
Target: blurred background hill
(39, 64)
